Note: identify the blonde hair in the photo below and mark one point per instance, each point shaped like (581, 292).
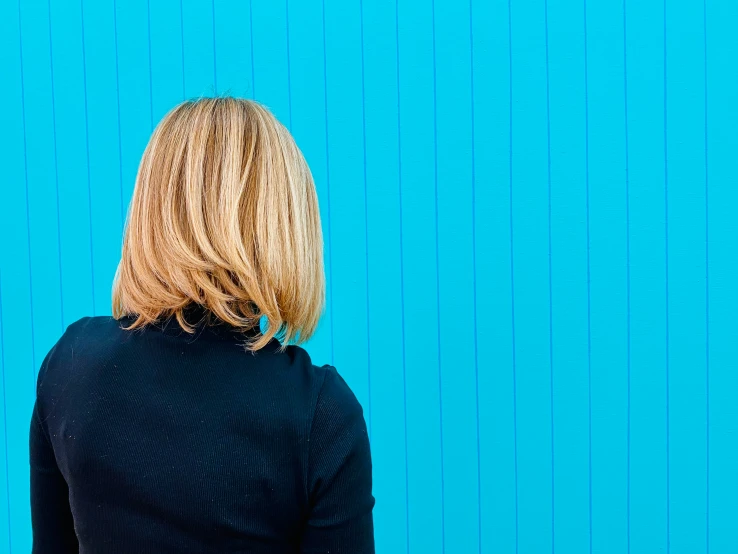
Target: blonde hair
(224, 215)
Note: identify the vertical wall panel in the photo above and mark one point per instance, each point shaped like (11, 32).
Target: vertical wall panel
(133, 88)
(166, 43)
(72, 147)
(387, 359)
(348, 185)
(232, 45)
(494, 339)
(648, 461)
(39, 142)
(569, 266)
(722, 244)
(685, 158)
(5, 509)
(307, 76)
(528, 211)
(271, 84)
(106, 200)
(608, 270)
(198, 43)
(454, 247)
(417, 159)
(18, 362)
(531, 273)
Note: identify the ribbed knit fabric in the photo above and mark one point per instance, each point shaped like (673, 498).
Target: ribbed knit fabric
(159, 441)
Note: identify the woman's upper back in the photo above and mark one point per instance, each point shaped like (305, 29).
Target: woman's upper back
(177, 442)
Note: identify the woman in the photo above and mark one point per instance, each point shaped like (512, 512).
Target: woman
(190, 422)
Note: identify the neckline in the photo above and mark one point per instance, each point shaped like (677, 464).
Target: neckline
(205, 323)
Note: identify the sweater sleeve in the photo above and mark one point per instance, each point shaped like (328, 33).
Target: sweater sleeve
(339, 475)
(51, 515)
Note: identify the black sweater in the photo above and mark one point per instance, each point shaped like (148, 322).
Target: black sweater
(159, 441)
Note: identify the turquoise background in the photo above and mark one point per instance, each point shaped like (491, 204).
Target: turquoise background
(531, 222)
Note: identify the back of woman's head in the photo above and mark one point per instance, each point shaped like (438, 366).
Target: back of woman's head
(225, 216)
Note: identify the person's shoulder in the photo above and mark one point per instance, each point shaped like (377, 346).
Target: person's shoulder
(335, 396)
(92, 325)
(87, 329)
(92, 334)
(327, 386)
(83, 339)
(338, 425)
(335, 386)
(295, 365)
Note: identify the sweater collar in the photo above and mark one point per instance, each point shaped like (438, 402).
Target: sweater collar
(203, 321)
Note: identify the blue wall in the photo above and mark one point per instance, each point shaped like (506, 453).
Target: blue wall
(531, 237)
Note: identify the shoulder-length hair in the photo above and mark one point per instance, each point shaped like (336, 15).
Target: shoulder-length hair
(224, 215)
